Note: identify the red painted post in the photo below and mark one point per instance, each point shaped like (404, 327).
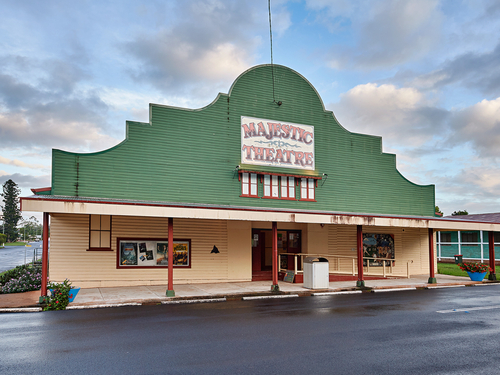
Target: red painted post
(491, 245)
(45, 256)
(432, 272)
(275, 287)
(359, 247)
(170, 287)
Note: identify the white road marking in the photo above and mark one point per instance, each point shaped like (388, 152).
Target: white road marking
(335, 293)
(392, 290)
(21, 309)
(82, 307)
(469, 309)
(270, 296)
(486, 284)
(201, 300)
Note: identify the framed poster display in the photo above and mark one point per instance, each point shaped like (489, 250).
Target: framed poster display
(378, 246)
(152, 253)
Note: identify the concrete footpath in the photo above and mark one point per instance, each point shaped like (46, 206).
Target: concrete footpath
(215, 292)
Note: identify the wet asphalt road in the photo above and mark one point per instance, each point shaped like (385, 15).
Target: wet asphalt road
(376, 333)
(12, 256)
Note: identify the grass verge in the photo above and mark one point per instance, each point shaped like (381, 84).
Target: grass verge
(16, 244)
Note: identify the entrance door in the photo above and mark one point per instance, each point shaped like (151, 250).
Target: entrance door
(258, 249)
(288, 242)
(294, 245)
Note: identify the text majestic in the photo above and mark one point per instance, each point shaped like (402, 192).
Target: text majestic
(272, 143)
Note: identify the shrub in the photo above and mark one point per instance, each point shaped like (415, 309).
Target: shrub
(21, 279)
(59, 296)
(475, 267)
(3, 238)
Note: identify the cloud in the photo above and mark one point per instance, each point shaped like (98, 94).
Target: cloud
(399, 115)
(45, 109)
(478, 70)
(479, 125)
(211, 41)
(407, 119)
(66, 123)
(474, 188)
(385, 34)
(20, 164)
(25, 181)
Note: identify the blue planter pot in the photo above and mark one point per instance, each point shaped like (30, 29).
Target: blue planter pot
(72, 293)
(476, 276)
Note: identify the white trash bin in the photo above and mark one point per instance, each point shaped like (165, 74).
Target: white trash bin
(316, 273)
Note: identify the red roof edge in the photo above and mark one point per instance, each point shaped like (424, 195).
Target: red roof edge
(39, 190)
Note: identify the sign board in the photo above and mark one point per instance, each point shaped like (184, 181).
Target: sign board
(289, 276)
(277, 144)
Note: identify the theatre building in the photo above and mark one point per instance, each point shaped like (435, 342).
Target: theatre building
(240, 190)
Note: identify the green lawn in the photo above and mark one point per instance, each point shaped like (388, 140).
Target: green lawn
(15, 244)
(454, 270)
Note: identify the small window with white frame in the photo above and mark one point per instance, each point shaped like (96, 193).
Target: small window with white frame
(271, 186)
(307, 187)
(287, 187)
(249, 186)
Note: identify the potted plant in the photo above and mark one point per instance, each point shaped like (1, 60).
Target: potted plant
(61, 294)
(476, 271)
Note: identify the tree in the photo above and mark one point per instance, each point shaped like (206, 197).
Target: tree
(10, 209)
(438, 211)
(456, 213)
(31, 228)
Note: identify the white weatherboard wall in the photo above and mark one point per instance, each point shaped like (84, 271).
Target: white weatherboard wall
(410, 244)
(70, 259)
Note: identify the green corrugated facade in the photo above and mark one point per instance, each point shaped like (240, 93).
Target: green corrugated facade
(189, 156)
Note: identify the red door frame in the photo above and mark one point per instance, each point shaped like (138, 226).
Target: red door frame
(258, 252)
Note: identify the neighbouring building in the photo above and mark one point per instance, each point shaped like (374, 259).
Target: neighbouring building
(472, 245)
(242, 189)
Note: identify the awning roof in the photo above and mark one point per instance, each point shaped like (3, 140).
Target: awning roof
(122, 207)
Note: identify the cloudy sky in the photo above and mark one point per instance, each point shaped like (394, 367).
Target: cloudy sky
(423, 74)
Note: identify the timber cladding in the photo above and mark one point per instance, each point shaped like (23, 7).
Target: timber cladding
(189, 156)
(410, 245)
(70, 258)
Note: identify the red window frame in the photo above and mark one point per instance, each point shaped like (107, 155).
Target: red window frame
(100, 230)
(247, 185)
(271, 186)
(287, 185)
(308, 189)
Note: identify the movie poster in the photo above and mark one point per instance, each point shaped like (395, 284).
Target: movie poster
(181, 256)
(128, 254)
(162, 254)
(378, 246)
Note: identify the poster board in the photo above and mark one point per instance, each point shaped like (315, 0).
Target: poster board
(289, 276)
(376, 245)
(152, 253)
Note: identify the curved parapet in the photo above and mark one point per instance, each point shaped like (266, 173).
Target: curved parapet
(190, 156)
